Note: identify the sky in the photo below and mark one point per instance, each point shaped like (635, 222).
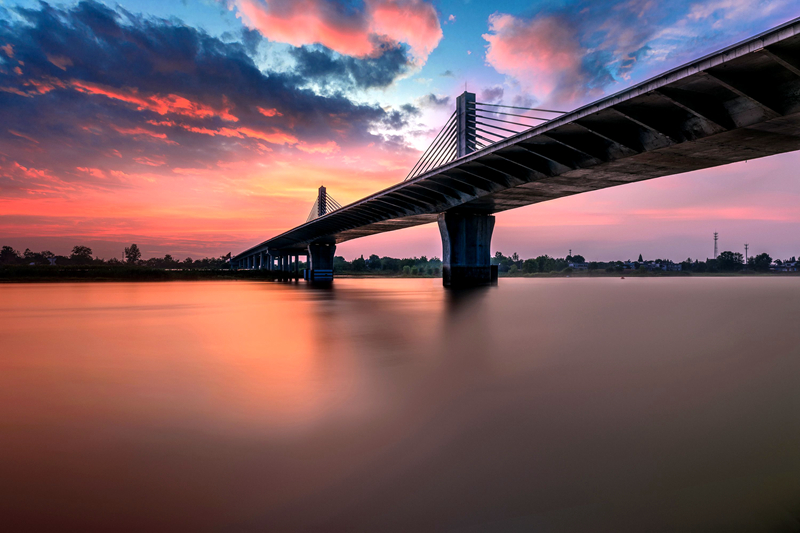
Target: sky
(202, 127)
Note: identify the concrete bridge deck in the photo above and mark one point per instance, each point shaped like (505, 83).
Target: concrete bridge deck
(740, 103)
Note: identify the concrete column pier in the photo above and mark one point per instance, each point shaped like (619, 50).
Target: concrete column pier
(320, 266)
(466, 255)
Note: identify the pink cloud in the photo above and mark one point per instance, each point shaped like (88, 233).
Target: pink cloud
(94, 172)
(8, 49)
(327, 148)
(14, 90)
(61, 62)
(543, 54)
(414, 22)
(17, 134)
(149, 161)
(354, 33)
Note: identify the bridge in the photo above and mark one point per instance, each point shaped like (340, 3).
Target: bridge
(737, 104)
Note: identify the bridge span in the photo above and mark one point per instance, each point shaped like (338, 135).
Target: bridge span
(739, 103)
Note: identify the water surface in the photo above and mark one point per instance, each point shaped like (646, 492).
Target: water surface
(393, 405)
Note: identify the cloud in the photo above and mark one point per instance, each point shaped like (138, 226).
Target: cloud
(352, 31)
(544, 55)
(269, 112)
(572, 54)
(163, 105)
(491, 94)
(112, 90)
(324, 67)
(447, 74)
(431, 100)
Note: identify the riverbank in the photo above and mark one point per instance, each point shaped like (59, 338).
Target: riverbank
(29, 274)
(49, 274)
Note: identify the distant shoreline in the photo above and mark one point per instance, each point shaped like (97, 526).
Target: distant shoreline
(69, 274)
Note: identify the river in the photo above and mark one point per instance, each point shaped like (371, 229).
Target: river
(393, 405)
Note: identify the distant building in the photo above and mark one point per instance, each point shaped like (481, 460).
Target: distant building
(785, 267)
(579, 266)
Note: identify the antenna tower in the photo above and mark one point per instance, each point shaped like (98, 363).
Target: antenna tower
(716, 236)
(746, 246)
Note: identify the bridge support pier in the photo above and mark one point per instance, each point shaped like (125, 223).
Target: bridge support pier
(466, 255)
(320, 256)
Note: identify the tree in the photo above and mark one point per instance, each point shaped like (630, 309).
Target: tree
(81, 255)
(529, 266)
(359, 264)
(730, 261)
(9, 256)
(760, 262)
(374, 262)
(640, 258)
(132, 254)
(578, 259)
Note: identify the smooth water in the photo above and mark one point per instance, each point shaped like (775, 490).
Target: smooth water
(394, 405)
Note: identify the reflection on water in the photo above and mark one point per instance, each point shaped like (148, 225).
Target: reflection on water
(393, 405)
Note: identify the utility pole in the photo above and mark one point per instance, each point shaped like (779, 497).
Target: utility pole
(716, 236)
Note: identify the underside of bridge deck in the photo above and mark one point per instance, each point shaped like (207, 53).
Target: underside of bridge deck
(740, 103)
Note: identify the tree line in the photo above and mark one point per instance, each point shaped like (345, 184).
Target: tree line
(727, 261)
(83, 256)
(412, 266)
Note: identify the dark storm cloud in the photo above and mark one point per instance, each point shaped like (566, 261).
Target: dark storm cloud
(88, 86)
(323, 66)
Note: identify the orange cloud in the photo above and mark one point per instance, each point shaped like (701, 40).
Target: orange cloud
(275, 137)
(46, 85)
(144, 132)
(8, 49)
(162, 105)
(269, 112)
